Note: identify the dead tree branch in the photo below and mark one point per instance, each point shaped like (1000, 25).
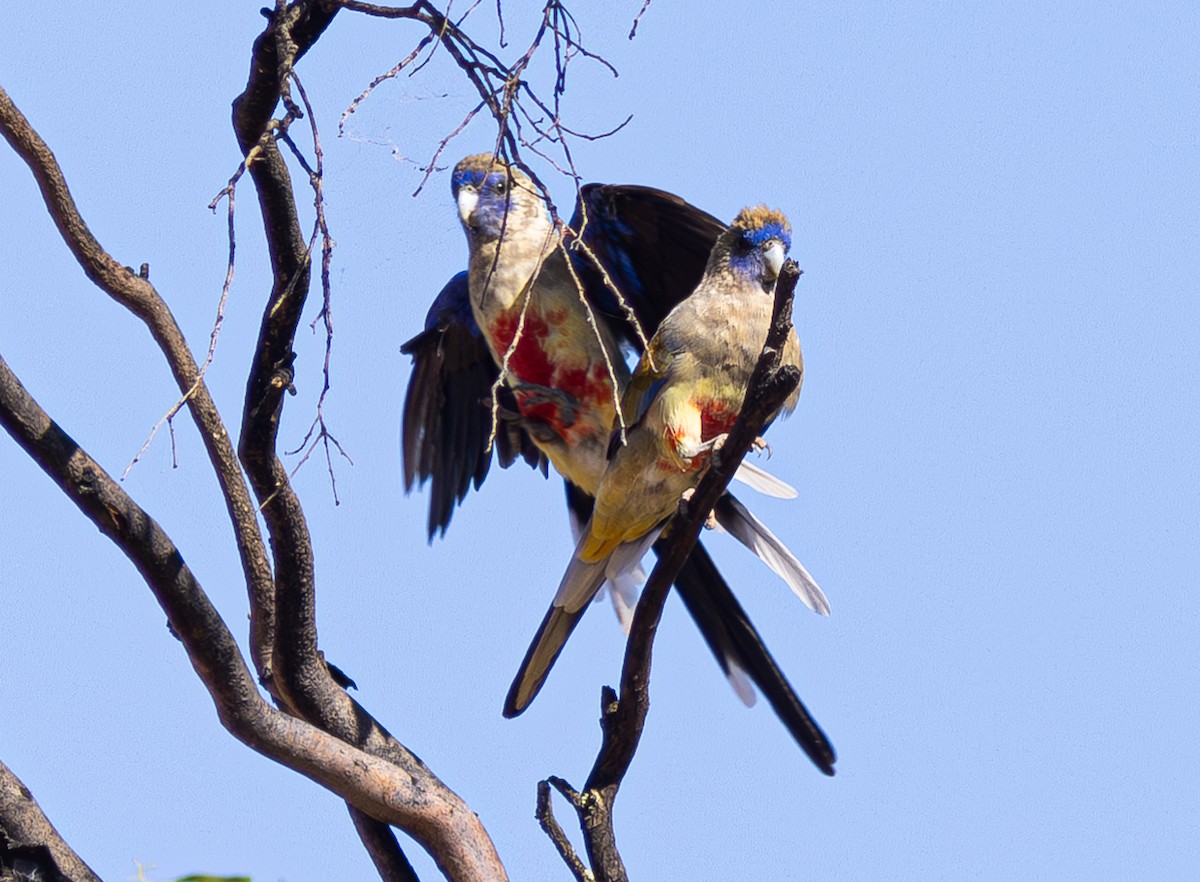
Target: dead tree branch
(377, 787)
(500, 86)
(551, 827)
(30, 847)
(436, 817)
(136, 294)
(301, 676)
(317, 729)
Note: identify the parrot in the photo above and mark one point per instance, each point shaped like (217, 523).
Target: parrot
(538, 306)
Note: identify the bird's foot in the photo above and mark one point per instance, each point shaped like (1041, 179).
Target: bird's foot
(532, 395)
(692, 450)
(710, 523)
(538, 429)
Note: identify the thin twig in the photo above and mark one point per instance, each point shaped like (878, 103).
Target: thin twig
(431, 166)
(637, 18)
(137, 295)
(520, 329)
(387, 75)
(316, 178)
(500, 86)
(549, 824)
(228, 194)
(595, 328)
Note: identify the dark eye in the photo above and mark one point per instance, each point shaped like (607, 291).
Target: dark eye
(501, 186)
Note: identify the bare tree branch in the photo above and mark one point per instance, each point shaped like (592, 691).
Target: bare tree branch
(551, 827)
(406, 797)
(318, 729)
(135, 292)
(380, 842)
(452, 833)
(29, 844)
(301, 675)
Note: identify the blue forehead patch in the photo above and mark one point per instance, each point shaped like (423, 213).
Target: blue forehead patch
(476, 177)
(768, 231)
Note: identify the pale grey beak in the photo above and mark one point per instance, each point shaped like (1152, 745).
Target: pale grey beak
(774, 256)
(468, 198)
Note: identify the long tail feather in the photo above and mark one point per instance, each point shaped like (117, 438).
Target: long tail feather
(737, 520)
(579, 585)
(736, 644)
(552, 635)
(763, 481)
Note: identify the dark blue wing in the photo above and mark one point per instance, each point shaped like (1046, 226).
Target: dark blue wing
(447, 418)
(653, 245)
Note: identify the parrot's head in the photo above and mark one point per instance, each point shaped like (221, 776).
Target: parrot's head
(494, 196)
(755, 245)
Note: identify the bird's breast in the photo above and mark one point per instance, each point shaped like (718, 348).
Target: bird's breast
(558, 374)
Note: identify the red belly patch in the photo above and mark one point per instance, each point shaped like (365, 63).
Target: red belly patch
(529, 361)
(716, 418)
(586, 383)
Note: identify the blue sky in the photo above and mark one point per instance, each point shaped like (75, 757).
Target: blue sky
(996, 209)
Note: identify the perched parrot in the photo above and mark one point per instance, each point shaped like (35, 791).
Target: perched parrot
(685, 394)
(530, 281)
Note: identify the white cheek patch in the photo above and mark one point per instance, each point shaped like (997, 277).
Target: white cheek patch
(467, 200)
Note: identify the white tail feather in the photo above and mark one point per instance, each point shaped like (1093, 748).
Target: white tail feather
(764, 482)
(624, 592)
(582, 580)
(626, 559)
(740, 681)
(753, 533)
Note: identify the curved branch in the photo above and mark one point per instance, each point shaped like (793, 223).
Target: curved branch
(770, 385)
(302, 678)
(436, 817)
(29, 844)
(300, 675)
(135, 292)
(378, 787)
